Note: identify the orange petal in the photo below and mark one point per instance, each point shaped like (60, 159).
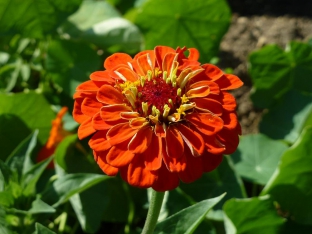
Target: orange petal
(138, 122)
(212, 71)
(228, 101)
(174, 143)
(193, 54)
(230, 120)
(213, 145)
(141, 140)
(120, 133)
(145, 63)
(206, 123)
(228, 82)
(139, 175)
(109, 95)
(160, 130)
(174, 164)
(193, 170)
(77, 113)
(126, 74)
(98, 141)
(230, 139)
(153, 154)
(102, 76)
(112, 112)
(100, 158)
(116, 60)
(129, 115)
(90, 106)
(168, 61)
(192, 138)
(160, 53)
(166, 180)
(119, 155)
(201, 91)
(211, 161)
(208, 105)
(89, 86)
(85, 129)
(99, 124)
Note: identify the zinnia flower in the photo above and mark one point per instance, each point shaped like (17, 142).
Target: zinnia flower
(159, 117)
(57, 134)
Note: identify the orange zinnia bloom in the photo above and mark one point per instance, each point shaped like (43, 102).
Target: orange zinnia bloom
(57, 134)
(159, 117)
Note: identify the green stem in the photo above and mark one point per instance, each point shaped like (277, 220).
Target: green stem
(153, 212)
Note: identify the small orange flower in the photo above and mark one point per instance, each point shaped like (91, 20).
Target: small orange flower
(159, 117)
(57, 134)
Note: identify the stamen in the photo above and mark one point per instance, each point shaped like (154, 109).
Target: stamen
(179, 92)
(166, 111)
(145, 108)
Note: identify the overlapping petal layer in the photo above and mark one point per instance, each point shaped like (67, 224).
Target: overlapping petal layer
(158, 118)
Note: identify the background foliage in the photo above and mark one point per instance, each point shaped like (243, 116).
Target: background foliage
(48, 48)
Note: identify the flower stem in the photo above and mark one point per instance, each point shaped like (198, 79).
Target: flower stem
(153, 212)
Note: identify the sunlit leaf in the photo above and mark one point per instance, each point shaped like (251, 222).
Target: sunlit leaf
(199, 24)
(253, 215)
(34, 18)
(40, 229)
(275, 71)
(257, 157)
(294, 178)
(38, 206)
(187, 220)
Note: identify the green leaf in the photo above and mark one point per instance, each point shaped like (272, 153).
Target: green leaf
(113, 207)
(68, 185)
(187, 220)
(70, 64)
(105, 28)
(287, 119)
(257, 157)
(34, 18)
(5, 174)
(40, 229)
(294, 178)
(223, 179)
(6, 199)
(19, 160)
(38, 206)
(274, 72)
(33, 112)
(3, 223)
(199, 24)
(252, 215)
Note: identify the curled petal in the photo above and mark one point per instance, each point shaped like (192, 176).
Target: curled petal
(103, 76)
(193, 139)
(174, 143)
(113, 112)
(138, 122)
(165, 180)
(228, 82)
(153, 154)
(201, 91)
(119, 133)
(206, 123)
(119, 155)
(98, 141)
(85, 129)
(77, 113)
(145, 63)
(160, 53)
(129, 115)
(213, 145)
(141, 140)
(193, 54)
(109, 95)
(230, 120)
(116, 60)
(127, 73)
(138, 175)
(212, 71)
(208, 105)
(228, 101)
(90, 106)
(100, 158)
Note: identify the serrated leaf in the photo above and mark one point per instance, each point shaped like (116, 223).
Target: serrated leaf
(257, 157)
(252, 215)
(294, 178)
(274, 72)
(70, 63)
(40, 229)
(34, 18)
(199, 24)
(187, 220)
(68, 185)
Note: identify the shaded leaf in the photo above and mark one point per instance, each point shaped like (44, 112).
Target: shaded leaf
(294, 178)
(199, 24)
(253, 215)
(40, 229)
(257, 157)
(187, 220)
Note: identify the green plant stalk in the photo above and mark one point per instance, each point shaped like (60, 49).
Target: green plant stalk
(153, 212)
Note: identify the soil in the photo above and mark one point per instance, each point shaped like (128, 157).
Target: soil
(254, 25)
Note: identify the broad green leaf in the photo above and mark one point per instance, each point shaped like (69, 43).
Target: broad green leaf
(287, 119)
(6, 199)
(199, 24)
(252, 215)
(40, 229)
(105, 28)
(257, 157)
(70, 63)
(38, 206)
(275, 71)
(34, 18)
(187, 220)
(223, 179)
(5, 174)
(19, 159)
(294, 178)
(32, 109)
(68, 185)
(105, 201)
